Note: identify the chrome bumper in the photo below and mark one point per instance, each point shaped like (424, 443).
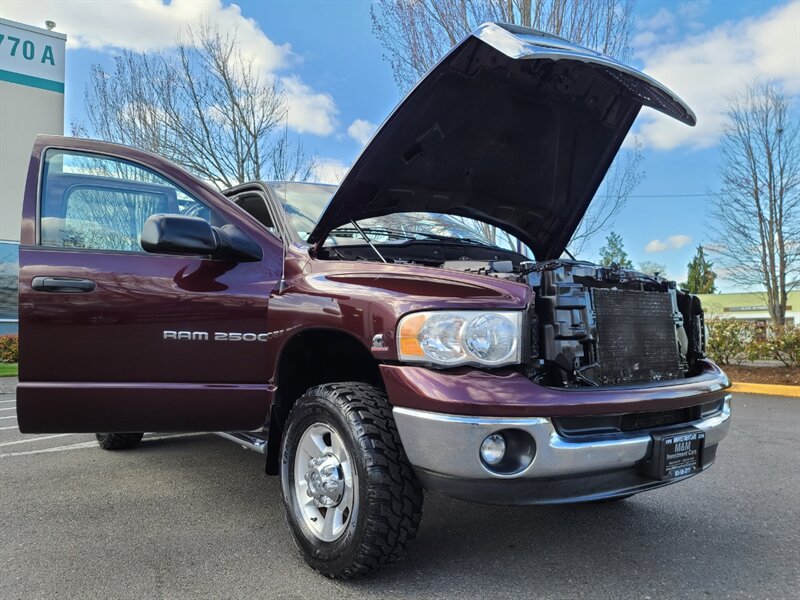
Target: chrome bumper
(447, 446)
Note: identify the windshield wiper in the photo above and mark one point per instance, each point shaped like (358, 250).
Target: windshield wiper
(375, 231)
(453, 238)
(413, 235)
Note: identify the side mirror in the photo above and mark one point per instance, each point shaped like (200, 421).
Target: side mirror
(178, 234)
(181, 234)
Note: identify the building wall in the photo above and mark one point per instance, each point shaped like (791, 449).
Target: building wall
(24, 113)
(749, 306)
(31, 102)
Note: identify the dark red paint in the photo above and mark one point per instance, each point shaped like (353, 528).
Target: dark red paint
(99, 361)
(511, 394)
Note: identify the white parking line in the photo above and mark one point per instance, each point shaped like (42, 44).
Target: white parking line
(14, 417)
(36, 439)
(4, 428)
(7, 401)
(12, 408)
(84, 445)
(56, 449)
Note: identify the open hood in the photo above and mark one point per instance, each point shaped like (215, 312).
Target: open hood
(513, 127)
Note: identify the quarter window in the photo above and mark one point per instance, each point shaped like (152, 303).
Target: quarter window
(101, 203)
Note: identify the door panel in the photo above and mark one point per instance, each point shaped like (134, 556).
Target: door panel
(161, 343)
(126, 407)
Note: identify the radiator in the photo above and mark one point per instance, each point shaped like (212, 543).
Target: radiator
(636, 337)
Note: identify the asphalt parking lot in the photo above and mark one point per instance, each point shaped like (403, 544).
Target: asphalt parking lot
(194, 517)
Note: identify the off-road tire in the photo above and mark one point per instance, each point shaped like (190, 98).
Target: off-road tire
(118, 441)
(389, 496)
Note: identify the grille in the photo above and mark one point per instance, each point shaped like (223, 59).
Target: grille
(614, 424)
(636, 337)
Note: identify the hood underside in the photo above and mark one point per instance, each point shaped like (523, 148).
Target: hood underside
(513, 127)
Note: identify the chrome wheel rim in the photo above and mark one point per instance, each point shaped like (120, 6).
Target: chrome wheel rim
(324, 482)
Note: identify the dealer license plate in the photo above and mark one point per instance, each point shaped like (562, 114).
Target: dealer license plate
(676, 453)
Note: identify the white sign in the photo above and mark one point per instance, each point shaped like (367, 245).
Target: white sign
(31, 56)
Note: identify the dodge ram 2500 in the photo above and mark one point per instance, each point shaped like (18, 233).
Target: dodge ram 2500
(368, 339)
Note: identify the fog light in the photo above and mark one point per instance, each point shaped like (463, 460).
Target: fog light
(493, 449)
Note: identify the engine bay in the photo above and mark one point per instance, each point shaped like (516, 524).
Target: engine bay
(603, 326)
(590, 326)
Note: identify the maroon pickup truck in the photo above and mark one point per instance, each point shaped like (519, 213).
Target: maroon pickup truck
(367, 339)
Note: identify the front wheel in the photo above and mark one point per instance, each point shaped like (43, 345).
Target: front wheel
(351, 498)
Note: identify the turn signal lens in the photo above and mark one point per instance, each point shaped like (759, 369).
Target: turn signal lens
(407, 335)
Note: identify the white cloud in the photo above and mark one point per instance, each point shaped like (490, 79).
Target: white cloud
(704, 68)
(693, 9)
(329, 170)
(152, 25)
(655, 246)
(673, 242)
(144, 25)
(308, 111)
(644, 39)
(667, 23)
(662, 19)
(361, 130)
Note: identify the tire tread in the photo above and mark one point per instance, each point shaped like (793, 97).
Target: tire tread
(118, 441)
(395, 496)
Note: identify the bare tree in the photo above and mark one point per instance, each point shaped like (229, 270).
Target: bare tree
(758, 209)
(651, 267)
(416, 33)
(206, 106)
(496, 235)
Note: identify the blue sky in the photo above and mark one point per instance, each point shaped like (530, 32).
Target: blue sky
(339, 86)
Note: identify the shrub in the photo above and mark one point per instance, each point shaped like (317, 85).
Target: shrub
(9, 348)
(783, 344)
(731, 340)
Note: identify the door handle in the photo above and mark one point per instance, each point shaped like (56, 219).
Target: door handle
(63, 285)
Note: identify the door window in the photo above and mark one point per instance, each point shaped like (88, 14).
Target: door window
(101, 203)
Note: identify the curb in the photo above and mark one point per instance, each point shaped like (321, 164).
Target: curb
(768, 389)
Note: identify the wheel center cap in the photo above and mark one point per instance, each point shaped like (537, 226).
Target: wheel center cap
(325, 481)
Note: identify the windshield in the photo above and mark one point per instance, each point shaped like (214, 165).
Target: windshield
(304, 203)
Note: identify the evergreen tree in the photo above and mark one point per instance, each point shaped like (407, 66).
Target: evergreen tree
(701, 278)
(614, 252)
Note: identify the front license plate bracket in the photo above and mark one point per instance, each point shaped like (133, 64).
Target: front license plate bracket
(675, 454)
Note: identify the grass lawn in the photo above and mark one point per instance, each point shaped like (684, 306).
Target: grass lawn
(8, 369)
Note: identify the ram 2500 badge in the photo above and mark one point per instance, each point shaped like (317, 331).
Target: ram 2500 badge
(366, 338)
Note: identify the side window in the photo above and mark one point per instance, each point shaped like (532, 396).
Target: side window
(256, 205)
(101, 203)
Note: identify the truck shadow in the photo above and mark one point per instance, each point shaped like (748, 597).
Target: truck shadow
(658, 538)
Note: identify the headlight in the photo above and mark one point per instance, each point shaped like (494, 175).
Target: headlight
(451, 338)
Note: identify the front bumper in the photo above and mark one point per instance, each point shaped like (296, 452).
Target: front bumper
(444, 450)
